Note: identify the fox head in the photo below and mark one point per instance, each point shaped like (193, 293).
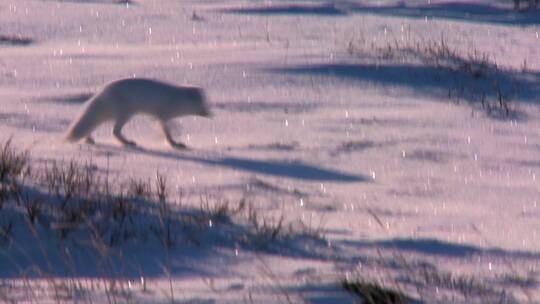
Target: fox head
(201, 107)
(193, 102)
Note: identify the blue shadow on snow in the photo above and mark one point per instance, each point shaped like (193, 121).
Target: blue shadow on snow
(280, 168)
(461, 11)
(497, 13)
(288, 9)
(423, 79)
(441, 248)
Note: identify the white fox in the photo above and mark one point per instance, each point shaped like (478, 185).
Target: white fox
(120, 100)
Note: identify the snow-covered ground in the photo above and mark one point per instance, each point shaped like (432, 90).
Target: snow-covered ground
(388, 157)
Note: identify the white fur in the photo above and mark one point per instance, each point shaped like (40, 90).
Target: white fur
(120, 100)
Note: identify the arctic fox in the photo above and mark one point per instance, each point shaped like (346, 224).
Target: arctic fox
(120, 100)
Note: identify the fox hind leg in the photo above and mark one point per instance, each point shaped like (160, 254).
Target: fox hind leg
(117, 132)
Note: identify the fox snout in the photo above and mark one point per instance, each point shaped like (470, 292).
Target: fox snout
(204, 110)
(206, 113)
(202, 106)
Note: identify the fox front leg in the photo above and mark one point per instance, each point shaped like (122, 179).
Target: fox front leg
(168, 137)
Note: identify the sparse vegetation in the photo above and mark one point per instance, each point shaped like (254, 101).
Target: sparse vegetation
(475, 76)
(69, 196)
(398, 280)
(77, 207)
(73, 203)
(373, 293)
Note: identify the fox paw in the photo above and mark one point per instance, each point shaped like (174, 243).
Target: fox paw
(129, 143)
(89, 141)
(178, 145)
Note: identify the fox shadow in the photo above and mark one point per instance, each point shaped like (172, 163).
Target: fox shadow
(295, 170)
(279, 168)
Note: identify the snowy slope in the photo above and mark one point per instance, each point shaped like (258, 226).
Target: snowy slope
(310, 122)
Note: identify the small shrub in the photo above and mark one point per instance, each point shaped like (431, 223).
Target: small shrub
(373, 293)
(74, 181)
(483, 76)
(265, 229)
(12, 163)
(139, 189)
